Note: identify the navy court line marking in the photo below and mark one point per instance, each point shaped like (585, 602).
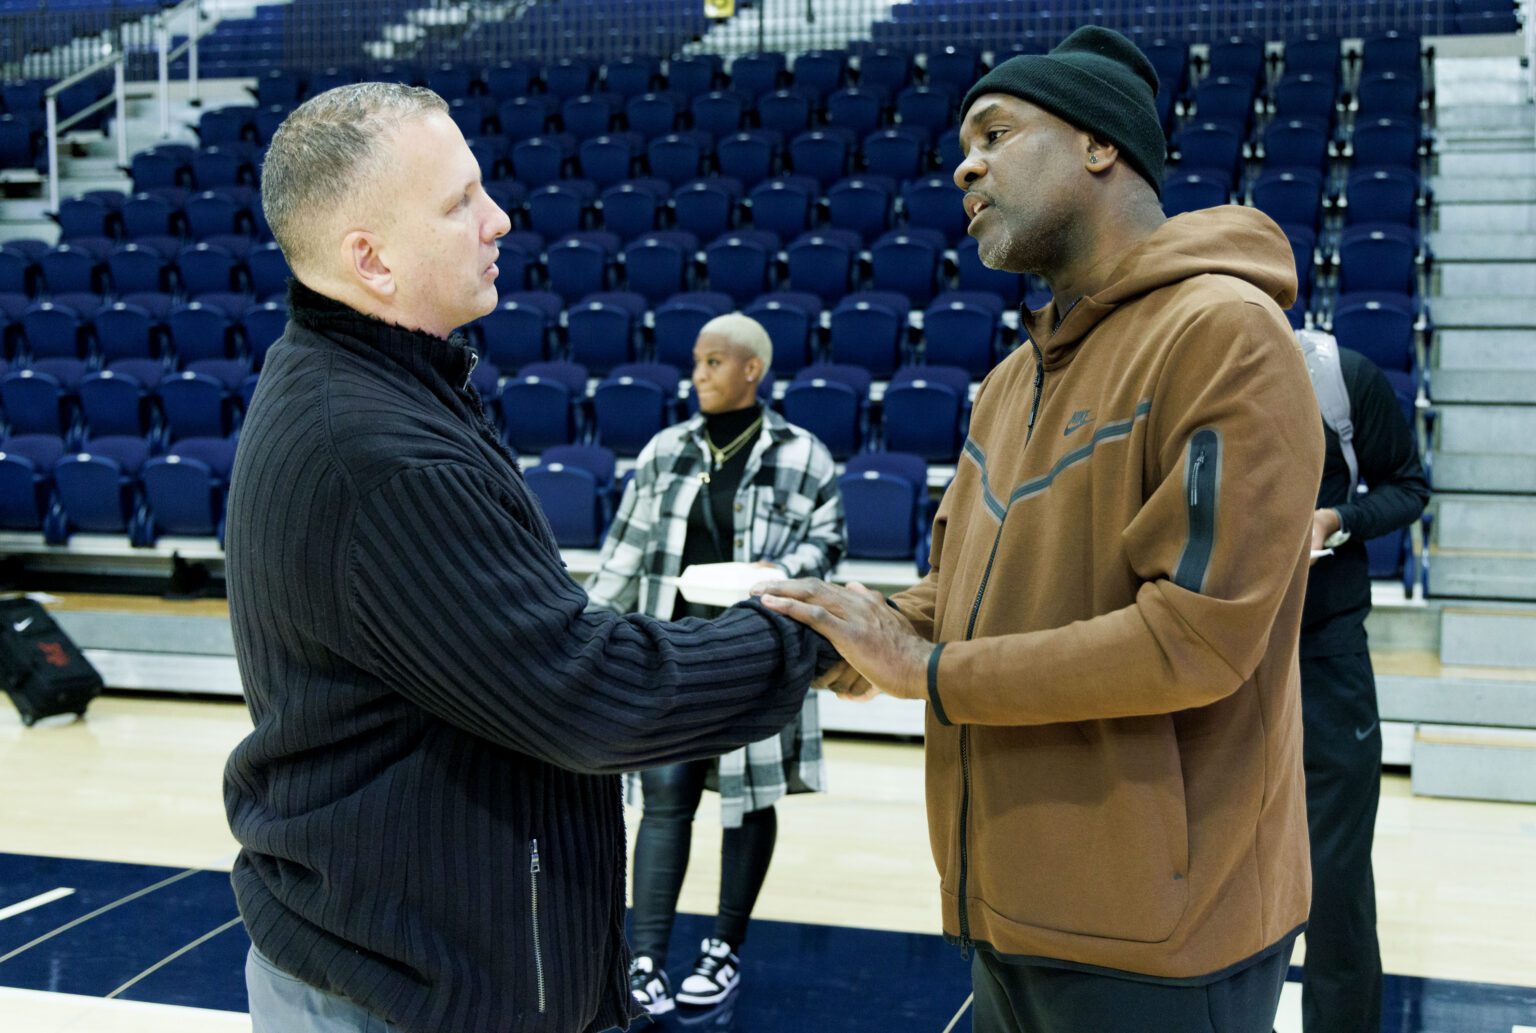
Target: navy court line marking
(157, 966)
(99, 911)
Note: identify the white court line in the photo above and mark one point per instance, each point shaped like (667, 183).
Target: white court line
(959, 1014)
(157, 966)
(23, 906)
(1522, 1029)
(42, 1011)
(99, 911)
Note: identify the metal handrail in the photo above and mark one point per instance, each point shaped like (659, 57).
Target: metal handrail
(117, 62)
(55, 127)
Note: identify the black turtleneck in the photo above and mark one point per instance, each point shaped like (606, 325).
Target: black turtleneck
(717, 500)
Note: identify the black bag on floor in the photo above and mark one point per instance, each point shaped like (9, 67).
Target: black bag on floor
(40, 667)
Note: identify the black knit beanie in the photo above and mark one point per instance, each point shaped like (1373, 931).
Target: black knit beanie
(1099, 82)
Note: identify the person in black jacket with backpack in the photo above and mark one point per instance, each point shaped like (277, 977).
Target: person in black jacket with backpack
(429, 805)
(1341, 987)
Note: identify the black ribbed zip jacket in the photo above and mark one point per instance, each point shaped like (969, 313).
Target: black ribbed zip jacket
(428, 806)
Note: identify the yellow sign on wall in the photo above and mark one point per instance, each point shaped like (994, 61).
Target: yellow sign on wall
(719, 8)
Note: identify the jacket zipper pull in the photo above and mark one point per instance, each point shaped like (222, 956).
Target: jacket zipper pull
(533, 864)
(1194, 478)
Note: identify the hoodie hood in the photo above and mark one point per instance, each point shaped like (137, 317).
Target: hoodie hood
(1230, 240)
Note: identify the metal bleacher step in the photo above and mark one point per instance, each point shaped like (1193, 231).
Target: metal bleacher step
(1504, 523)
(1487, 279)
(1485, 366)
(1498, 638)
(1485, 118)
(1484, 189)
(1483, 247)
(1485, 217)
(1514, 162)
(1485, 448)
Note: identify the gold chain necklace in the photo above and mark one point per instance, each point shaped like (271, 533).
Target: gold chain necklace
(722, 456)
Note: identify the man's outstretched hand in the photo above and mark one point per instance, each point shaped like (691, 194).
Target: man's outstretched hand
(874, 639)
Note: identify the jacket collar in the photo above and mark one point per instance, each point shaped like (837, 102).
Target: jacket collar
(775, 426)
(425, 356)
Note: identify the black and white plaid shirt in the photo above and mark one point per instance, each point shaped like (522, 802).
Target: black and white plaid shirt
(788, 511)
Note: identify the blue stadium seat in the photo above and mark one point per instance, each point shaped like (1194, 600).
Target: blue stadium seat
(653, 114)
(908, 261)
(1295, 143)
(125, 331)
(69, 270)
(693, 75)
(208, 269)
(785, 111)
(572, 502)
(194, 405)
(1382, 195)
(185, 488)
(822, 154)
(1389, 94)
(1225, 100)
(150, 215)
(157, 168)
(1238, 58)
(677, 321)
(603, 329)
(1303, 243)
(1312, 54)
(215, 213)
(934, 202)
(784, 205)
(560, 209)
(706, 207)
(898, 152)
(629, 411)
(753, 75)
(740, 262)
(579, 265)
(883, 498)
(269, 271)
(541, 406)
(677, 157)
(887, 70)
(541, 160)
(1392, 51)
(1194, 190)
(961, 328)
(926, 109)
(631, 76)
(508, 79)
(262, 325)
(1291, 196)
(832, 403)
(84, 216)
(518, 331)
(657, 264)
(587, 115)
(955, 67)
(36, 403)
(820, 72)
(719, 113)
(822, 262)
(869, 329)
(569, 77)
(925, 409)
(216, 168)
(134, 268)
(525, 117)
(1385, 141)
(749, 157)
(1307, 96)
(26, 480)
(973, 275)
(858, 109)
(451, 81)
(1210, 146)
(51, 331)
(862, 204)
(1379, 327)
(791, 319)
(17, 271)
(98, 489)
(600, 462)
(1378, 257)
(629, 209)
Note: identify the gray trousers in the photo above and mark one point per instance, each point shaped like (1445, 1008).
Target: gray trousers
(281, 1003)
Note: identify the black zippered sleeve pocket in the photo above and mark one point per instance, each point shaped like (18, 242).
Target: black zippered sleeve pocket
(1202, 487)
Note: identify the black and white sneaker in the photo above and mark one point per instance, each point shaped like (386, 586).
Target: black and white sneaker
(650, 988)
(714, 975)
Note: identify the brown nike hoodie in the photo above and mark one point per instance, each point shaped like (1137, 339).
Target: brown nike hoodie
(1114, 729)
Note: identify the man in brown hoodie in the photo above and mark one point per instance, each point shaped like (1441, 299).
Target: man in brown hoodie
(1108, 638)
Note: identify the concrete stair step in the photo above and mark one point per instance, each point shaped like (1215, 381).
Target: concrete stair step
(1449, 70)
(1509, 350)
(1482, 247)
(1475, 763)
(1462, 312)
(1519, 189)
(1416, 686)
(1490, 638)
(1482, 574)
(1479, 92)
(1520, 162)
(1484, 385)
(1498, 522)
(1451, 217)
(1495, 472)
(1495, 279)
(1485, 117)
(1504, 429)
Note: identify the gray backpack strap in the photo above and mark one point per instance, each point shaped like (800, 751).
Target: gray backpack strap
(1322, 354)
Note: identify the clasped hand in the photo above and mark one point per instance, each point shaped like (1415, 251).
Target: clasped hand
(880, 651)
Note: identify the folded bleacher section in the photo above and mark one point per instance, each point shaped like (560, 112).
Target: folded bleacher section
(811, 191)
